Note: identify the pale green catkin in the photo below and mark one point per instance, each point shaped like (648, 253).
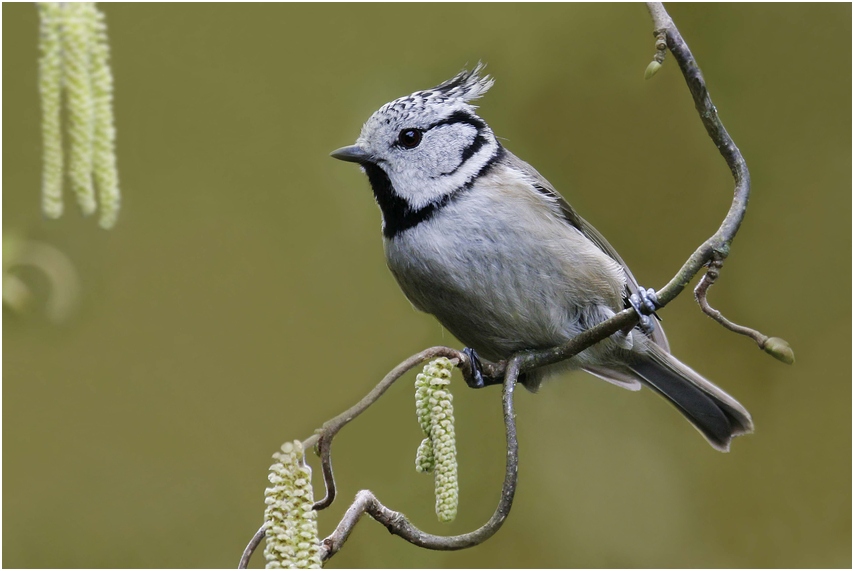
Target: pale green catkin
(438, 452)
(444, 450)
(290, 522)
(424, 460)
(76, 60)
(77, 49)
(104, 151)
(50, 90)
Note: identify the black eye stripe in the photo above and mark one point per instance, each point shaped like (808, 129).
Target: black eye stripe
(455, 118)
(460, 117)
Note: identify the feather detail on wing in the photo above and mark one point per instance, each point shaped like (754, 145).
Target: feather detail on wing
(572, 218)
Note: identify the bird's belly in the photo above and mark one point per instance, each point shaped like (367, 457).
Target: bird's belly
(497, 290)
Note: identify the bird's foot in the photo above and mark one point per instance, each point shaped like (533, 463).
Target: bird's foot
(645, 302)
(477, 380)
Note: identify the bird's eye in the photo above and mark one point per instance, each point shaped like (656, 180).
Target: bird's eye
(409, 138)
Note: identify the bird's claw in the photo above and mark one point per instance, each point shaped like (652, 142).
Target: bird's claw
(645, 302)
(475, 380)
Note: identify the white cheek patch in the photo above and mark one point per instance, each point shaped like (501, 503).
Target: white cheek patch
(443, 149)
(428, 180)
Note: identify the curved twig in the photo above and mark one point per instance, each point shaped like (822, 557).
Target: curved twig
(250, 549)
(367, 502)
(713, 251)
(774, 346)
(722, 239)
(700, 292)
(330, 428)
(396, 522)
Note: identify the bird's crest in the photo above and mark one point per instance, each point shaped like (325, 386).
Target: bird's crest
(466, 86)
(453, 94)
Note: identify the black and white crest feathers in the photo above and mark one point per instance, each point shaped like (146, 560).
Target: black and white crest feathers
(466, 86)
(453, 95)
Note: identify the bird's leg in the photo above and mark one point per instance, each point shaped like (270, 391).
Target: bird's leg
(477, 380)
(645, 302)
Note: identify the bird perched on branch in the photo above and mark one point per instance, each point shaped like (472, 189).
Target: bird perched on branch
(478, 238)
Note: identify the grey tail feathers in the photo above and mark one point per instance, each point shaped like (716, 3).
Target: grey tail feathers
(717, 416)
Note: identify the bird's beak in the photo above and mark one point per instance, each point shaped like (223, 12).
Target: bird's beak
(352, 154)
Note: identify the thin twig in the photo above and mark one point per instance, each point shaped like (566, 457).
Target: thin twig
(396, 522)
(714, 250)
(709, 278)
(366, 501)
(721, 241)
(774, 346)
(250, 549)
(331, 427)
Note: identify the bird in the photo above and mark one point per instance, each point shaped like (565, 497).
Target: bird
(478, 238)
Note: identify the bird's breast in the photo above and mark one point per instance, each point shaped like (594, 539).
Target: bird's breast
(502, 273)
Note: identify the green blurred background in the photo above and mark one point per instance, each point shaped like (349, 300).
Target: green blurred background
(243, 297)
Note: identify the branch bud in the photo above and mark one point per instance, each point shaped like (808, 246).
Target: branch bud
(779, 349)
(651, 69)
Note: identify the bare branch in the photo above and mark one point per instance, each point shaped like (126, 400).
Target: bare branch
(700, 292)
(332, 427)
(774, 346)
(250, 549)
(714, 250)
(720, 242)
(396, 522)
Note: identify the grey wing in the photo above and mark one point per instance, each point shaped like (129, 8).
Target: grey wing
(572, 218)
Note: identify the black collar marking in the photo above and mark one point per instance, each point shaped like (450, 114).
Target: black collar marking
(397, 216)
